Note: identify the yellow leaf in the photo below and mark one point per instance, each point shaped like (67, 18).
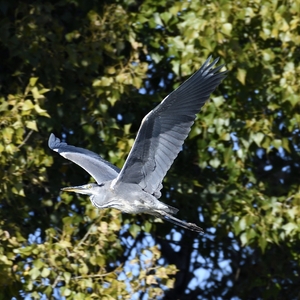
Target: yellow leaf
(31, 125)
(33, 80)
(64, 244)
(218, 101)
(241, 76)
(27, 105)
(40, 111)
(226, 28)
(257, 137)
(36, 94)
(45, 272)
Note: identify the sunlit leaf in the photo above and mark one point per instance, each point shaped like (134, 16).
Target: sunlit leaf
(241, 75)
(31, 125)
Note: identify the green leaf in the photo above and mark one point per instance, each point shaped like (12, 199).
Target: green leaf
(147, 226)
(289, 227)
(83, 269)
(244, 239)
(64, 244)
(45, 272)
(218, 101)
(262, 243)
(215, 162)
(134, 230)
(65, 291)
(34, 273)
(277, 143)
(38, 264)
(67, 277)
(226, 28)
(257, 137)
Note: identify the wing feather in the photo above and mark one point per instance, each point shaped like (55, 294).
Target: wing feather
(100, 169)
(165, 128)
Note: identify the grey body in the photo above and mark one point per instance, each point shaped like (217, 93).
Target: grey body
(128, 198)
(136, 187)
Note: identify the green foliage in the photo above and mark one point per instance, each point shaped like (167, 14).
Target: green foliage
(79, 69)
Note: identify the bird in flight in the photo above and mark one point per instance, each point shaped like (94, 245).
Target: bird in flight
(136, 187)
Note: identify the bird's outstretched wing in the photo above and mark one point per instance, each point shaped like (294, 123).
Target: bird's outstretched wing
(95, 165)
(165, 128)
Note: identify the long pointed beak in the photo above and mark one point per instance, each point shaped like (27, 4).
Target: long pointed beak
(81, 189)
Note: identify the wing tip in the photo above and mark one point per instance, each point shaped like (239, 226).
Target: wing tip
(208, 68)
(53, 142)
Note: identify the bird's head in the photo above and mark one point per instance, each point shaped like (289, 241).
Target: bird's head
(97, 193)
(86, 189)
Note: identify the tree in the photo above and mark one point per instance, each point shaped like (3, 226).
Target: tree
(89, 71)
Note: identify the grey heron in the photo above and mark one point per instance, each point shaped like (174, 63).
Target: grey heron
(136, 187)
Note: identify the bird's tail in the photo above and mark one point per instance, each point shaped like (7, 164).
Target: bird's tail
(171, 210)
(190, 226)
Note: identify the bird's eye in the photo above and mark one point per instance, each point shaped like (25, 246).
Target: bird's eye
(89, 186)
